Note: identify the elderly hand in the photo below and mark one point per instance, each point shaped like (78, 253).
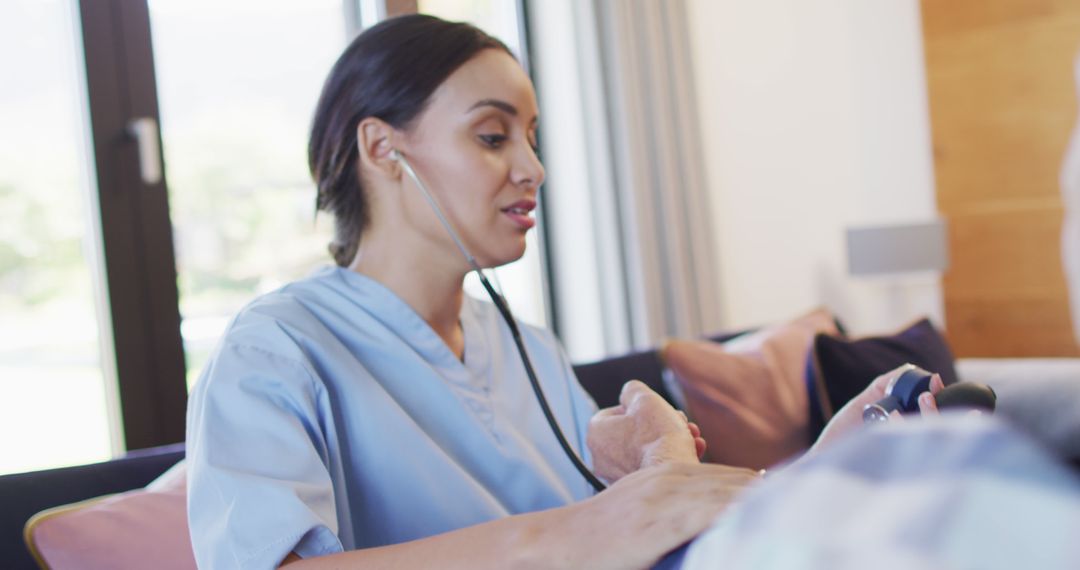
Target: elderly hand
(849, 418)
(642, 431)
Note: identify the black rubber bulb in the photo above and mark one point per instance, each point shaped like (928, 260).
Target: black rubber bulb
(903, 396)
(967, 395)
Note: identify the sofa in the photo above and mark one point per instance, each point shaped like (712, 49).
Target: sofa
(22, 495)
(1030, 394)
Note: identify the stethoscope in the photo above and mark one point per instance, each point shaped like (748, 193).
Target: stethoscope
(504, 310)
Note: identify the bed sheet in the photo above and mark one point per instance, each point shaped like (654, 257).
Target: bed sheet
(958, 491)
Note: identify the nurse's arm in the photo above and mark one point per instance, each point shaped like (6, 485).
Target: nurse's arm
(630, 525)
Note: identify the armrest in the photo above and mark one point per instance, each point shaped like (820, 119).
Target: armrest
(25, 494)
(1041, 396)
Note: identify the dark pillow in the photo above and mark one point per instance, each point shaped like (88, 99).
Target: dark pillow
(604, 380)
(841, 368)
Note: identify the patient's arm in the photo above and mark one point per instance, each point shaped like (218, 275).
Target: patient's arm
(642, 431)
(630, 525)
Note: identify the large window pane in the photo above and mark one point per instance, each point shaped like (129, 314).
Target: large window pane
(53, 391)
(238, 82)
(499, 18)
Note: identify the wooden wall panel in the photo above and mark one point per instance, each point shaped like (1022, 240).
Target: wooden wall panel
(400, 7)
(1002, 105)
(999, 297)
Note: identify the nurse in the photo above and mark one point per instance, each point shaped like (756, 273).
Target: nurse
(374, 415)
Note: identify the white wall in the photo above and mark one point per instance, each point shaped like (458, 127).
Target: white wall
(814, 119)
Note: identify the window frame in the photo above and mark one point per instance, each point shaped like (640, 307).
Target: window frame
(135, 231)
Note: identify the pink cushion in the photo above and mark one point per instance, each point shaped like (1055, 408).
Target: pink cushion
(748, 395)
(145, 528)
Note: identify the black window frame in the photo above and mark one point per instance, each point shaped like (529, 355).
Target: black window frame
(136, 233)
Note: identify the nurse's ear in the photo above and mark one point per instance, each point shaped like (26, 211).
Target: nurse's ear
(375, 143)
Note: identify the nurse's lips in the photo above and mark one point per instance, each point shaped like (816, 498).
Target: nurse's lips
(519, 212)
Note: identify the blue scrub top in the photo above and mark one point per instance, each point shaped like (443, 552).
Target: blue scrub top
(332, 417)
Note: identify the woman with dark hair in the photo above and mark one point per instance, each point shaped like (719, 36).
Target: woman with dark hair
(372, 413)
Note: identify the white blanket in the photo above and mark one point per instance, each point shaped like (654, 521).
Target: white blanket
(951, 492)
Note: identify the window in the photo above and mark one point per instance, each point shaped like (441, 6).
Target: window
(94, 348)
(55, 379)
(236, 97)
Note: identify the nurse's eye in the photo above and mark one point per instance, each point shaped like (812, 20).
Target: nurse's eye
(493, 140)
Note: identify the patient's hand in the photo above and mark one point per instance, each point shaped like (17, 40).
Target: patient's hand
(642, 431)
(849, 418)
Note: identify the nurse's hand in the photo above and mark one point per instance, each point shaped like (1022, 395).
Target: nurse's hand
(642, 431)
(849, 418)
(649, 513)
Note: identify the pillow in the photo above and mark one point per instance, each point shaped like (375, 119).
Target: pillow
(145, 528)
(842, 367)
(748, 395)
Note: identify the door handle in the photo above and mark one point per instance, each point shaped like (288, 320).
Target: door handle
(145, 132)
